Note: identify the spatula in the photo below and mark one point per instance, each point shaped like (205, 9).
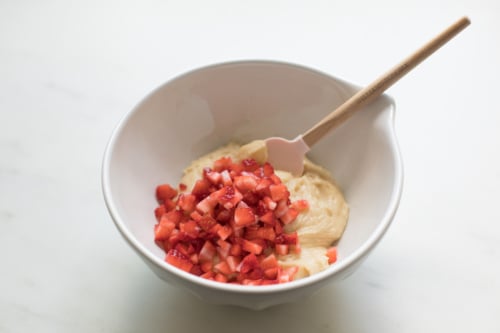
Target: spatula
(288, 155)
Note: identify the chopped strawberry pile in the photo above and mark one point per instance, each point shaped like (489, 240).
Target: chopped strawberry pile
(229, 228)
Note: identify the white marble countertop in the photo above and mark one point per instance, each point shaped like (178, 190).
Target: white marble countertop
(69, 70)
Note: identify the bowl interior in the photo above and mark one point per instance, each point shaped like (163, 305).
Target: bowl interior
(201, 110)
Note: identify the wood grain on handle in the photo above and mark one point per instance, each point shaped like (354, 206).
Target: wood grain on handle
(376, 89)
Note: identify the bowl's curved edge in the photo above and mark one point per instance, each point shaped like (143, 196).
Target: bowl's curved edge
(315, 281)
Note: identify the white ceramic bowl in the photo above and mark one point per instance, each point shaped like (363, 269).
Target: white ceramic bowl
(208, 107)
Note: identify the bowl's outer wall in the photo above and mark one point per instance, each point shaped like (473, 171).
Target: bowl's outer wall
(197, 112)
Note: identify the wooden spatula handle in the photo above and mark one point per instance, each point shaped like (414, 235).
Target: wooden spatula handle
(375, 89)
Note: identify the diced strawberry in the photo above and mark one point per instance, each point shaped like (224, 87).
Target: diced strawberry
(245, 183)
(206, 266)
(268, 218)
(173, 215)
(233, 262)
(201, 188)
(248, 263)
(220, 278)
(223, 163)
(207, 205)
(223, 248)
(222, 267)
(187, 202)
(195, 216)
(226, 178)
(279, 192)
(269, 203)
(196, 269)
(331, 253)
(224, 232)
(177, 259)
(159, 211)
(164, 192)
(191, 228)
(300, 205)
(206, 222)
(228, 197)
(250, 164)
(290, 238)
(290, 216)
(163, 230)
(287, 274)
(268, 169)
(281, 249)
(269, 262)
(235, 250)
(223, 215)
(281, 208)
(209, 275)
(244, 216)
(263, 186)
(214, 177)
(169, 204)
(271, 273)
(251, 246)
(182, 187)
(275, 179)
(207, 252)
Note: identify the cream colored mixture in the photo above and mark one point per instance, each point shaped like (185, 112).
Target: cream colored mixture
(317, 228)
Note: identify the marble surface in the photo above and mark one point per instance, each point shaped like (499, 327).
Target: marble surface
(69, 70)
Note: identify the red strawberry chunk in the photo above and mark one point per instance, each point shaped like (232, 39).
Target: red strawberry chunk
(164, 192)
(187, 202)
(179, 260)
(163, 230)
(244, 216)
(279, 192)
(251, 247)
(207, 252)
(289, 216)
(331, 253)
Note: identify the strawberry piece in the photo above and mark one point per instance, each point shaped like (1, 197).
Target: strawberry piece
(224, 232)
(287, 274)
(281, 208)
(179, 260)
(244, 216)
(268, 218)
(223, 267)
(191, 228)
(245, 183)
(300, 205)
(182, 187)
(159, 211)
(250, 164)
(207, 205)
(206, 222)
(207, 252)
(187, 202)
(251, 246)
(331, 253)
(214, 177)
(164, 192)
(201, 188)
(279, 192)
(289, 216)
(281, 249)
(163, 230)
(248, 263)
(223, 163)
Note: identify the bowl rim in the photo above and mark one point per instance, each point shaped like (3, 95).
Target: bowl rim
(355, 257)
